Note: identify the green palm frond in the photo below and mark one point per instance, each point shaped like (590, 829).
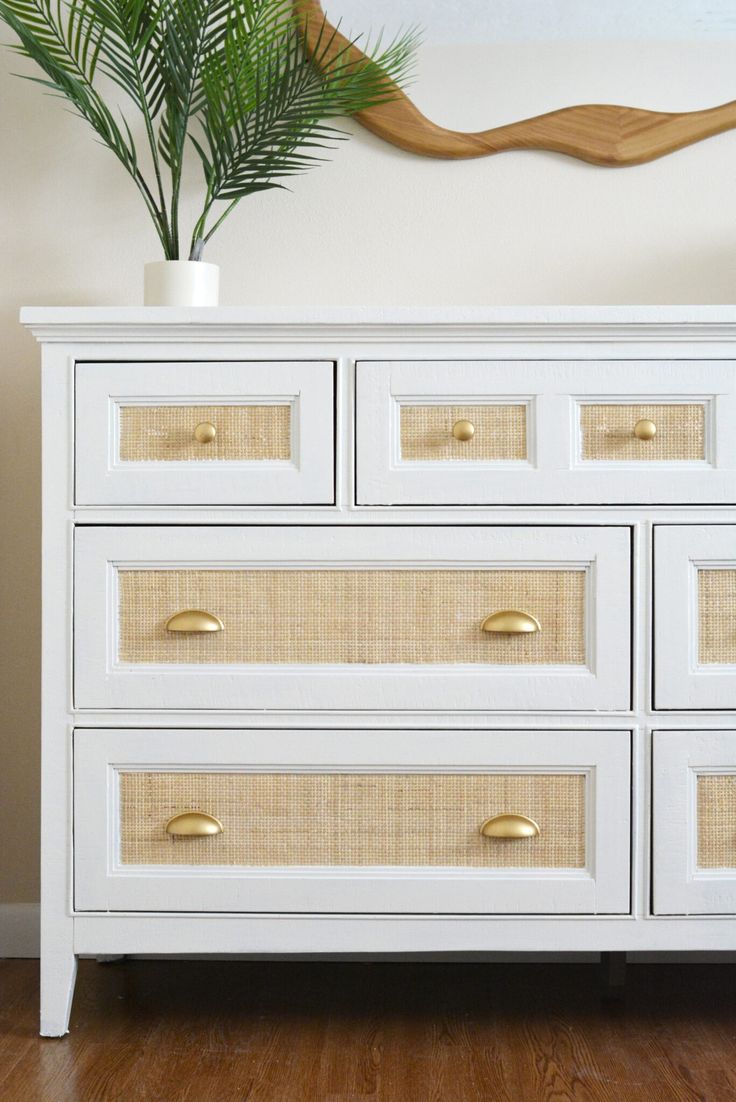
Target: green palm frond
(231, 77)
(130, 33)
(65, 77)
(71, 44)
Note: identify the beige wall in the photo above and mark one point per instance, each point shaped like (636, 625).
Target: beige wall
(374, 227)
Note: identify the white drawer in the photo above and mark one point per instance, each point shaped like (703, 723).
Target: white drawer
(379, 821)
(695, 616)
(695, 822)
(204, 433)
(545, 432)
(370, 618)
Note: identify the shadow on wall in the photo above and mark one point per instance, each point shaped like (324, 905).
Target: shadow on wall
(21, 605)
(55, 220)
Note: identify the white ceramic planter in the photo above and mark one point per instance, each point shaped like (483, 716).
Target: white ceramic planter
(181, 283)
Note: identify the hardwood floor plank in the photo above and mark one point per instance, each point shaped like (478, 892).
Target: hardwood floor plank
(291, 1031)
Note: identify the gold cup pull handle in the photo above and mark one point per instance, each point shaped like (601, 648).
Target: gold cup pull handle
(193, 824)
(205, 433)
(463, 431)
(510, 825)
(511, 621)
(645, 429)
(194, 620)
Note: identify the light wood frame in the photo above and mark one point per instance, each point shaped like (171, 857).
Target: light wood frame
(601, 133)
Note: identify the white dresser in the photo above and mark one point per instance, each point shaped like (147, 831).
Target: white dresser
(394, 631)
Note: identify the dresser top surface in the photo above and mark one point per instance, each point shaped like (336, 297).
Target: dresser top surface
(397, 315)
(93, 323)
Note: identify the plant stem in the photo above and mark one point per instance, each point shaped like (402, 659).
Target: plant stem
(153, 210)
(198, 231)
(228, 209)
(170, 244)
(178, 162)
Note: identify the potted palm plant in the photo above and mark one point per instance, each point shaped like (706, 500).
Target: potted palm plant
(226, 81)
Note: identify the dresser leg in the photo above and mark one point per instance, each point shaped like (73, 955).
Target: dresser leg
(613, 974)
(58, 974)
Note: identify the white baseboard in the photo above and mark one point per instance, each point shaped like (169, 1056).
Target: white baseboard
(19, 930)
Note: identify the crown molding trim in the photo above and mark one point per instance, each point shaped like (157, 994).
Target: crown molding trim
(472, 325)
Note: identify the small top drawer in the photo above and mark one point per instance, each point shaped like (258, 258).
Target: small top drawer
(204, 433)
(552, 432)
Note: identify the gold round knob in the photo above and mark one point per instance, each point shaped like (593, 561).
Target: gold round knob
(205, 433)
(645, 429)
(463, 430)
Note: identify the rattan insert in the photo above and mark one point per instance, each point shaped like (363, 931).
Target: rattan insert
(352, 616)
(272, 819)
(607, 432)
(500, 432)
(717, 617)
(244, 432)
(717, 821)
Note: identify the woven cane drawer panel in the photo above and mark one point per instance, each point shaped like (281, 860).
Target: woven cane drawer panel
(166, 433)
(500, 432)
(607, 432)
(353, 819)
(717, 821)
(717, 617)
(352, 616)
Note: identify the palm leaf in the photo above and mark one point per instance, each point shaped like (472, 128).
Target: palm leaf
(265, 101)
(67, 53)
(230, 75)
(130, 43)
(70, 44)
(66, 78)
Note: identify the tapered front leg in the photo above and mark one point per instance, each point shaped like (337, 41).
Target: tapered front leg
(58, 975)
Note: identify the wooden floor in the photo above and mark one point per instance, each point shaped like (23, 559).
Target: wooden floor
(222, 1031)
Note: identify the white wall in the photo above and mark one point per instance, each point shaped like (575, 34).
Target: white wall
(376, 226)
(465, 21)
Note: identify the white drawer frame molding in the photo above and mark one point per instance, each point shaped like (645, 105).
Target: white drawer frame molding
(682, 680)
(554, 470)
(102, 681)
(103, 883)
(103, 389)
(680, 885)
(346, 497)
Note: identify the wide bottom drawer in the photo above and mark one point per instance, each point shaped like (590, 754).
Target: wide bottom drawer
(347, 821)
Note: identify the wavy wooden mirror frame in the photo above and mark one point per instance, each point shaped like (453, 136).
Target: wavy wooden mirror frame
(603, 134)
